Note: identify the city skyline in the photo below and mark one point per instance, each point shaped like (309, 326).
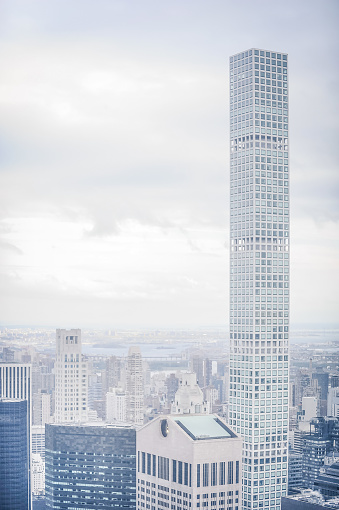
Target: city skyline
(115, 136)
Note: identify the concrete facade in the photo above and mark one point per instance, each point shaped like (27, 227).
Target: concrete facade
(71, 378)
(188, 461)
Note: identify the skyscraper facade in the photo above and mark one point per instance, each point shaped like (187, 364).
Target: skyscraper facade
(14, 455)
(16, 385)
(90, 467)
(135, 387)
(259, 271)
(190, 461)
(71, 378)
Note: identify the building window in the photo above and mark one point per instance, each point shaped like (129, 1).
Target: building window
(230, 472)
(205, 469)
(163, 468)
(174, 470)
(154, 458)
(222, 473)
(214, 473)
(179, 472)
(149, 463)
(198, 475)
(186, 474)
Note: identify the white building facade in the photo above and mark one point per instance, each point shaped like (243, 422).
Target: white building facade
(135, 387)
(116, 408)
(188, 462)
(309, 406)
(38, 474)
(189, 398)
(333, 402)
(259, 271)
(41, 408)
(71, 378)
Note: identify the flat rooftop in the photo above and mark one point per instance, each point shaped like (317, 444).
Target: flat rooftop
(200, 427)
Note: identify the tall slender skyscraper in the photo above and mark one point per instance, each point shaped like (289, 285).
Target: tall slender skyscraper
(135, 387)
(259, 271)
(71, 378)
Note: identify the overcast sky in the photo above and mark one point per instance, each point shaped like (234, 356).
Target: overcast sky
(114, 191)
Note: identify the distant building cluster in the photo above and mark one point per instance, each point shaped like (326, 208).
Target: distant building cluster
(313, 474)
(78, 419)
(128, 432)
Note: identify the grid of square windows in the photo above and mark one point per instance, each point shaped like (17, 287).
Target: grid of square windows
(259, 268)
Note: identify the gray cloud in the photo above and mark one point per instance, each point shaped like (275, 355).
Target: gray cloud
(114, 174)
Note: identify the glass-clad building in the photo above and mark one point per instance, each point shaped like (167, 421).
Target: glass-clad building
(90, 467)
(16, 384)
(259, 271)
(14, 458)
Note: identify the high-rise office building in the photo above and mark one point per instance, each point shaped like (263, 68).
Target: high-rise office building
(112, 375)
(90, 467)
(135, 387)
(172, 384)
(16, 384)
(116, 406)
(14, 455)
(38, 440)
(259, 271)
(333, 402)
(71, 378)
(41, 407)
(38, 475)
(203, 368)
(188, 462)
(295, 463)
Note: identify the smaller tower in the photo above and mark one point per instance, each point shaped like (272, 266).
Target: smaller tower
(135, 387)
(71, 378)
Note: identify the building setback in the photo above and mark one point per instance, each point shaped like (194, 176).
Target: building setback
(188, 461)
(14, 459)
(90, 467)
(259, 271)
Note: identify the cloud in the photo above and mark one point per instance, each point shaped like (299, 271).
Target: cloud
(114, 174)
(10, 247)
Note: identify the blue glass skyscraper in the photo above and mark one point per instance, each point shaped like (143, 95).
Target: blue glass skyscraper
(15, 384)
(14, 458)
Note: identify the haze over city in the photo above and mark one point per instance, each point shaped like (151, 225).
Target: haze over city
(115, 167)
